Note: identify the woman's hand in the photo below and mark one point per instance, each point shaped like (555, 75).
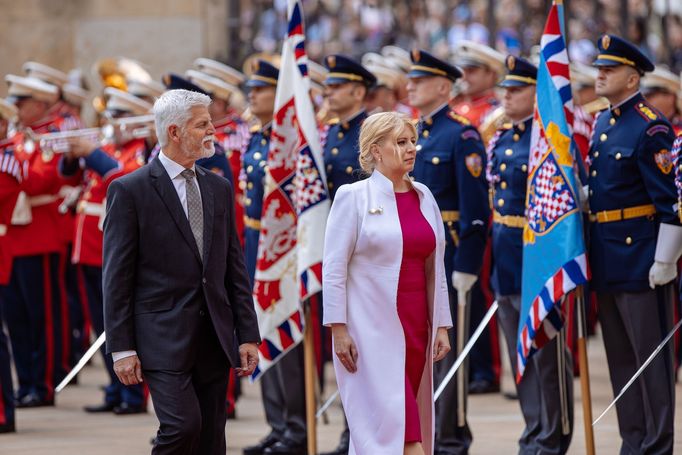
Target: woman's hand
(344, 347)
(441, 346)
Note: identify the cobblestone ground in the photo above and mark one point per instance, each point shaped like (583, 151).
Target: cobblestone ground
(495, 421)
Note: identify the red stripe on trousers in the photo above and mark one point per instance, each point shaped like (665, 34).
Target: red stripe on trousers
(64, 305)
(49, 333)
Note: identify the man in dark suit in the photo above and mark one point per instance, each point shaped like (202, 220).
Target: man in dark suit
(175, 286)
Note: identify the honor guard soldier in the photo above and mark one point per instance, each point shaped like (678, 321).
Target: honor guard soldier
(347, 85)
(217, 163)
(482, 68)
(33, 300)
(635, 242)
(662, 89)
(11, 175)
(451, 162)
(507, 174)
(97, 166)
(282, 385)
(146, 90)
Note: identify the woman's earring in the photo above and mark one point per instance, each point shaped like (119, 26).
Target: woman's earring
(380, 159)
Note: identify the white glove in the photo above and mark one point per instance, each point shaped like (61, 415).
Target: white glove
(668, 251)
(463, 281)
(661, 273)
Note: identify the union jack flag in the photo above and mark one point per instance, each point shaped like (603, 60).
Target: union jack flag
(295, 206)
(554, 260)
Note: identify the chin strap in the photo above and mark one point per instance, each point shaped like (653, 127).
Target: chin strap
(669, 244)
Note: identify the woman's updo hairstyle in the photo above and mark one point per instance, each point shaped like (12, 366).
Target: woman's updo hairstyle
(378, 128)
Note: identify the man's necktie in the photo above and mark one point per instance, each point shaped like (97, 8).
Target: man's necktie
(195, 213)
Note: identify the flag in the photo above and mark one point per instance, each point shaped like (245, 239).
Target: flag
(295, 206)
(554, 261)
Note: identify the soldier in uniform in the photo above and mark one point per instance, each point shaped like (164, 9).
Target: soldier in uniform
(451, 161)
(347, 85)
(661, 88)
(98, 166)
(34, 298)
(635, 242)
(10, 179)
(346, 88)
(482, 67)
(282, 385)
(507, 173)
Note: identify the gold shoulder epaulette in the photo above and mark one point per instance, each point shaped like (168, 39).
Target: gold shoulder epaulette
(333, 121)
(254, 129)
(596, 105)
(507, 125)
(458, 118)
(646, 112)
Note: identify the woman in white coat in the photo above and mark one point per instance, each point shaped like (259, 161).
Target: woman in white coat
(385, 294)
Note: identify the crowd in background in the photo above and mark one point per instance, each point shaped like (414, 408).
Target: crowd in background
(514, 26)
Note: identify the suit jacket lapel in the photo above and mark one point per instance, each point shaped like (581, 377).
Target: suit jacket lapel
(163, 185)
(207, 203)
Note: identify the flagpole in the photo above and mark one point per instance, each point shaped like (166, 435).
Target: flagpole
(310, 378)
(584, 371)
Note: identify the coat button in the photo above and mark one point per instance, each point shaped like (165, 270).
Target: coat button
(418, 147)
(203, 280)
(263, 141)
(516, 137)
(340, 135)
(435, 160)
(335, 151)
(612, 121)
(524, 167)
(509, 152)
(349, 170)
(603, 137)
(425, 133)
(618, 156)
(257, 156)
(249, 168)
(591, 192)
(202, 313)
(503, 167)
(330, 185)
(329, 168)
(628, 240)
(503, 185)
(262, 163)
(247, 201)
(596, 154)
(500, 202)
(249, 185)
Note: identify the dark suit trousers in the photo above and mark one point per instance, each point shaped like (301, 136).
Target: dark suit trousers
(633, 324)
(190, 405)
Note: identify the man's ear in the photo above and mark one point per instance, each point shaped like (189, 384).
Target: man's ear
(174, 133)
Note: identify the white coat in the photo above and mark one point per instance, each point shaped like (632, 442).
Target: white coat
(361, 267)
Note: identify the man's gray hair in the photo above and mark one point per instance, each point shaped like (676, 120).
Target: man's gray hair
(173, 108)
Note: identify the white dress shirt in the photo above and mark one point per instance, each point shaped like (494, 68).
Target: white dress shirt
(174, 171)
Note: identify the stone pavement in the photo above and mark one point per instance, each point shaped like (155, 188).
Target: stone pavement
(495, 421)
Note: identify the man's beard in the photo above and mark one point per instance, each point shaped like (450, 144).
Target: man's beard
(196, 149)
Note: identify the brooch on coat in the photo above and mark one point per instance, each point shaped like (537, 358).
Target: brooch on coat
(376, 211)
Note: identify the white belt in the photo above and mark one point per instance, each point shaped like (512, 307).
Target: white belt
(90, 208)
(3, 229)
(43, 199)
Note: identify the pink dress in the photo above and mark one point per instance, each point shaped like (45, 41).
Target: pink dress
(419, 241)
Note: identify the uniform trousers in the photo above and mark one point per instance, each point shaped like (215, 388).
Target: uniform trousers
(450, 438)
(32, 305)
(633, 324)
(79, 314)
(6, 387)
(283, 390)
(115, 393)
(539, 391)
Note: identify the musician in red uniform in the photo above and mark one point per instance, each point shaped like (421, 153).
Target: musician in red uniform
(35, 299)
(98, 166)
(11, 175)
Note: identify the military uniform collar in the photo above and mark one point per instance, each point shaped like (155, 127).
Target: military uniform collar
(353, 119)
(442, 109)
(523, 125)
(618, 109)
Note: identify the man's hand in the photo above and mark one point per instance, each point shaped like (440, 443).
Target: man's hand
(463, 282)
(129, 370)
(344, 347)
(661, 273)
(80, 147)
(248, 355)
(441, 346)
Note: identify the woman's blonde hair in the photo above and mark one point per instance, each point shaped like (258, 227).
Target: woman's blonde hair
(377, 128)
